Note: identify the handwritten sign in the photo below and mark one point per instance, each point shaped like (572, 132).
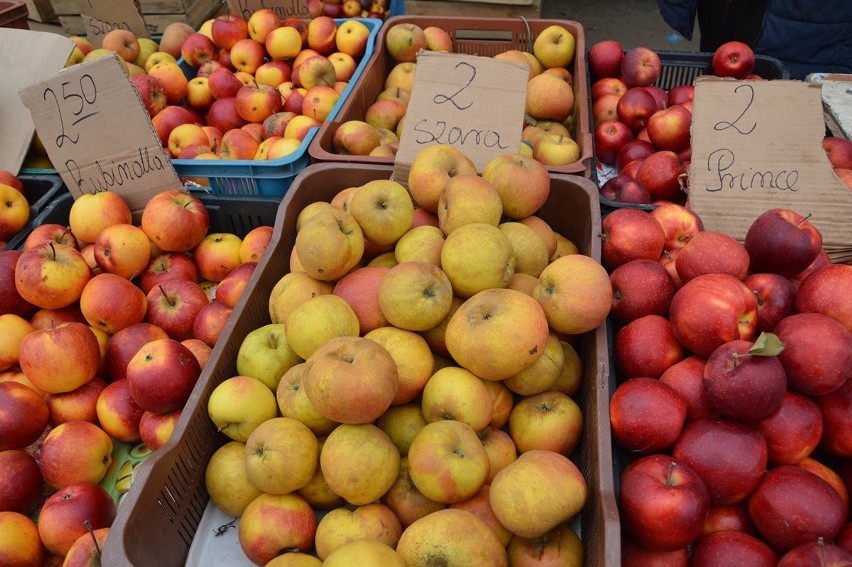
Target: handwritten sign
(103, 16)
(475, 104)
(284, 8)
(757, 145)
(97, 133)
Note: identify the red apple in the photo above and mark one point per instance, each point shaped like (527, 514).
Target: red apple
(680, 94)
(22, 486)
(822, 260)
(210, 322)
(659, 96)
(661, 173)
(646, 415)
(630, 234)
(11, 301)
(634, 555)
(634, 149)
(45, 357)
(231, 288)
(608, 85)
(126, 343)
(710, 310)
(174, 220)
(173, 306)
(792, 431)
(817, 356)
(782, 241)
(65, 513)
(228, 29)
(836, 409)
(731, 547)
(223, 114)
(198, 49)
(663, 502)
(76, 405)
(844, 538)
(632, 167)
(223, 83)
(50, 232)
(118, 413)
(721, 517)
(729, 456)
(168, 119)
(839, 151)
(151, 92)
(733, 59)
(670, 129)
(610, 137)
(625, 189)
(818, 553)
(156, 428)
(776, 299)
(687, 379)
(162, 375)
(826, 291)
(679, 223)
(640, 287)
(635, 107)
(641, 66)
(646, 347)
(604, 59)
(51, 276)
(167, 266)
(792, 506)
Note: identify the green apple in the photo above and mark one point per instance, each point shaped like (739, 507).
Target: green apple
(265, 355)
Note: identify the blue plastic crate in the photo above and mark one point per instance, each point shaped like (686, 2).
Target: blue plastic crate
(41, 191)
(268, 177)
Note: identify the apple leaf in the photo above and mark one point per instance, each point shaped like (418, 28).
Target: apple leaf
(767, 344)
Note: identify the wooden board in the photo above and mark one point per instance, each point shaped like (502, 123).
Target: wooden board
(475, 8)
(189, 7)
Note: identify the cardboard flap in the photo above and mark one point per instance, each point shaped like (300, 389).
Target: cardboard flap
(473, 103)
(102, 16)
(25, 57)
(757, 145)
(284, 8)
(98, 134)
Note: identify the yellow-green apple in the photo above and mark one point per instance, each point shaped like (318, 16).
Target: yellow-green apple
(556, 149)
(322, 32)
(640, 66)
(640, 287)
(123, 42)
(25, 415)
(451, 535)
(159, 57)
(43, 356)
(293, 402)
(110, 302)
(457, 394)
(468, 198)
(360, 289)
(292, 290)
(508, 173)
(117, 413)
(266, 354)
(291, 512)
(525, 500)
(161, 375)
(420, 244)
(239, 404)
(319, 101)
(351, 38)
(570, 379)
(310, 324)
(226, 480)
(173, 306)
(497, 333)
(280, 455)
(373, 521)
(554, 46)
(404, 40)
(531, 253)
(13, 328)
(549, 97)
(228, 29)
(247, 55)
(809, 335)
(575, 293)
(438, 39)
(21, 544)
(344, 68)
(76, 405)
(23, 489)
(350, 379)
(82, 43)
(147, 47)
(210, 322)
(414, 361)
(261, 22)
(206, 28)
(11, 301)
(167, 266)
(407, 502)
(92, 212)
(476, 257)
(125, 343)
(51, 276)
(156, 428)
(175, 220)
(364, 552)
(430, 170)
(283, 43)
(283, 148)
(72, 512)
(559, 546)
(500, 448)
(401, 424)
(415, 296)
(63, 463)
(386, 259)
(300, 126)
(372, 462)
(355, 137)
(447, 461)
(395, 93)
(329, 244)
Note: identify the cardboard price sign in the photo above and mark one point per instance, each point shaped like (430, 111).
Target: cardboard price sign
(102, 16)
(757, 145)
(97, 133)
(284, 8)
(475, 104)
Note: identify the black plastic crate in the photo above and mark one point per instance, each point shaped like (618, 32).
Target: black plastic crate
(40, 190)
(683, 67)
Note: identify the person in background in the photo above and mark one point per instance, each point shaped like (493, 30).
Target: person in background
(807, 36)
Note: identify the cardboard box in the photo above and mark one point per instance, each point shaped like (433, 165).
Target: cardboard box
(41, 11)
(157, 13)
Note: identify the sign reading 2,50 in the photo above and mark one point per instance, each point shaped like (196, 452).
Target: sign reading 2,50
(76, 100)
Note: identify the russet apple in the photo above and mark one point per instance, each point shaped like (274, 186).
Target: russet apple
(430, 170)
(415, 296)
(290, 511)
(372, 462)
(280, 455)
(367, 551)
(293, 402)
(575, 293)
(373, 521)
(293, 289)
(476, 257)
(451, 534)
(549, 97)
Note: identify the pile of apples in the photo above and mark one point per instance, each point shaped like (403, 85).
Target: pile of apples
(734, 398)
(413, 387)
(349, 8)
(105, 328)
(14, 206)
(550, 97)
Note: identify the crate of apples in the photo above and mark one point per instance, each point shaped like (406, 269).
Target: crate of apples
(384, 324)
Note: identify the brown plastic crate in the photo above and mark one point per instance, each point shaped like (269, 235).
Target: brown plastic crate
(473, 36)
(13, 14)
(159, 516)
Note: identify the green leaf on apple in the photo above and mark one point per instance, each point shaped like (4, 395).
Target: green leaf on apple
(767, 344)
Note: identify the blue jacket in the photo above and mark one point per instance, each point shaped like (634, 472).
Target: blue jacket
(806, 36)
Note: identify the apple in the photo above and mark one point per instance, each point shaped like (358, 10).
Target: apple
(467, 199)
(51, 276)
(431, 168)
(198, 49)
(63, 463)
(679, 223)
(24, 418)
(782, 241)
(549, 97)
(173, 81)
(247, 55)
(407, 502)
(123, 42)
(823, 290)
(732, 547)
(610, 136)
(290, 511)
(161, 375)
(86, 549)
(152, 94)
(554, 46)
(21, 544)
(351, 38)
(792, 506)
(646, 347)
(110, 302)
(11, 301)
(661, 173)
(680, 94)
(43, 356)
(383, 210)
(155, 429)
(368, 474)
(228, 29)
(733, 59)
(255, 103)
(117, 412)
(687, 379)
(373, 521)
(370, 551)
(571, 307)
(669, 129)
(556, 149)
(640, 287)
(65, 513)
(329, 244)
(816, 553)
(635, 107)
(835, 407)
(451, 535)
(174, 220)
(549, 421)
(605, 58)
(808, 337)
(281, 455)
(660, 96)
(239, 404)
(635, 149)
(167, 266)
(415, 296)
(76, 405)
(630, 234)
(125, 343)
(792, 431)
(839, 152)
(455, 393)
(404, 40)
(210, 321)
(631, 408)
(173, 306)
(266, 354)
(22, 490)
(776, 299)
(604, 108)
(608, 86)
(231, 288)
(729, 456)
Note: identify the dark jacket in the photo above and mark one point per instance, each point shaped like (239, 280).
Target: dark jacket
(806, 35)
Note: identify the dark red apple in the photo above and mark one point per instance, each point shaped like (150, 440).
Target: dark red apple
(663, 502)
(839, 151)
(646, 347)
(836, 410)
(712, 252)
(646, 415)
(634, 555)
(635, 149)
(632, 167)
(822, 260)
(630, 234)
(610, 137)
(680, 94)
(162, 375)
(625, 189)
(604, 59)
(793, 431)
(635, 107)
(659, 95)
(168, 266)
(126, 343)
(775, 296)
(223, 114)
(827, 291)
(844, 538)
(792, 506)
(731, 547)
(640, 287)
(782, 241)
(721, 517)
(687, 379)
(173, 306)
(733, 59)
(21, 483)
(817, 355)
(23, 415)
(817, 553)
(661, 173)
(10, 300)
(640, 66)
(729, 456)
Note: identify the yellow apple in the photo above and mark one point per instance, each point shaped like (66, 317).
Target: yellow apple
(477, 257)
(450, 537)
(239, 404)
(415, 296)
(554, 46)
(373, 521)
(430, 170)
(383, 209)
(226, 480)
(359, 462)
(311, 324)
(468, 199)
(455, 393)
(541, 375)
(414, 360)
(292, 290)
(575, 293)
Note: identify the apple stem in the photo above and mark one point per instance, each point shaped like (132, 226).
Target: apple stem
(760, 302)
(88, 525)
(669, 479)
(52, 251)
(169, 299)
(804, 219)
(821, 548)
